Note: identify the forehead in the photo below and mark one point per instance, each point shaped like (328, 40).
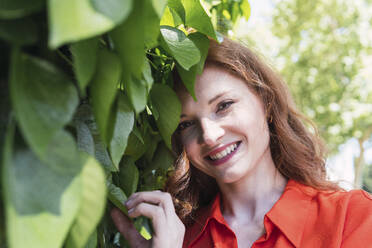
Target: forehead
(213, 81)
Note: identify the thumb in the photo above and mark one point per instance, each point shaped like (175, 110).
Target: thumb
(127, 229)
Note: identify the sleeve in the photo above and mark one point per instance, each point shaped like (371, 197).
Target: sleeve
(358, 223)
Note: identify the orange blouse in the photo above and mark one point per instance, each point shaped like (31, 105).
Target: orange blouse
(302, 217)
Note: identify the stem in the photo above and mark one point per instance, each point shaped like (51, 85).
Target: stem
(64, 57)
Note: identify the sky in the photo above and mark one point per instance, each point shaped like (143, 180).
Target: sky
(340, 167)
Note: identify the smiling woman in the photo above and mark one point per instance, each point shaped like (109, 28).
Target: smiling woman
(249, 172)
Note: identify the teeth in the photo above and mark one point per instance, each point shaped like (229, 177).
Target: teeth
(225, 152)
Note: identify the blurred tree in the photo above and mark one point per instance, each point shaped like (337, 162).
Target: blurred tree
(321, 55)
(367, 178)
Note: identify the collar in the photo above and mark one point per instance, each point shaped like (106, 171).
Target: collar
(289, 213)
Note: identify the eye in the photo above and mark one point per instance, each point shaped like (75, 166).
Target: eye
(224, 105)
(185, 124)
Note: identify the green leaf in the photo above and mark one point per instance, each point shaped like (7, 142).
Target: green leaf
(11, 9)
(188, 77)
(43, 98)
(92, 205)
(144, 227)
(116, 10)
(163, 159)
(246, 9)
(197, 18)
(104, 89)
(159, 6)
(123, 126)
(71, 20)
(178, 7)
(117, 197)
(152, 22)
(19, 31)
(40, 202)
(135, 148)
(85, 139)
(128, 175)
(179, 46)
(92, 241)
(137, 92)
(84, 115)
(128, 39)
(147, 75)
(167, 104)
(167, 18)
(152, 141)
(84, 54)
(202, 42)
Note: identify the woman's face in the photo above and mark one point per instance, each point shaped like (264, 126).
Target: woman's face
(224, 132)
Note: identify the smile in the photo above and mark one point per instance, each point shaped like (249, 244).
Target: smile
(220, 157)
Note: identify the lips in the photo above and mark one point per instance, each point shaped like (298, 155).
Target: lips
(222, 154)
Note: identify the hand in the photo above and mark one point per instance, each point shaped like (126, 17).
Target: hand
(169, 230)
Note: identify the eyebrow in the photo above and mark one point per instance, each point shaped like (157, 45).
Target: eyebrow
(211, 100)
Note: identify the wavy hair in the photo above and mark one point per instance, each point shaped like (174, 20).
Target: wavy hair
(298, 153)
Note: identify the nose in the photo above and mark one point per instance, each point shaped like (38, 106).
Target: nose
(211, 131)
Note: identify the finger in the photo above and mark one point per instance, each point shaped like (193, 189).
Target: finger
(154, 212)
(127, 229)
(163, 199)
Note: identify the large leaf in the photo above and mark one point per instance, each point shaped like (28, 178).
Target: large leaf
(123, 126)
(163, 159)
(159, 6)
(84, 54)
(84, 118)
(10, 9)
(197, 18)
(116, 10)
(167, 104)
(92, 241)
(167, 18)
(72, 20)
(19, 31)
(137, 92)
(128, 175)
(152, 21)
(43, 98)
(84, 137)
(104, 89)
(40, 201)
(177, 6)
(179, 46)
(128, 39)
(116, 197)
(188, 77)
(147, 75)
(136, 147)
(93, 199)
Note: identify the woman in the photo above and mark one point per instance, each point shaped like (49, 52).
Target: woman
(249, 174)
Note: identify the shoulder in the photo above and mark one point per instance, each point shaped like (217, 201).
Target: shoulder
(354, 204)
(358, 218)
(348, 212)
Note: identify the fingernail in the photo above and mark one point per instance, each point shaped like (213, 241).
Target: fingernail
(128, 202)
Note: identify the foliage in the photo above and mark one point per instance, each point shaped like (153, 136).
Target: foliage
(322, 53)
(225, 13)
(322, 49)
(90, 111)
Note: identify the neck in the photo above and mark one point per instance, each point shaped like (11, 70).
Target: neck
(254, 195)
